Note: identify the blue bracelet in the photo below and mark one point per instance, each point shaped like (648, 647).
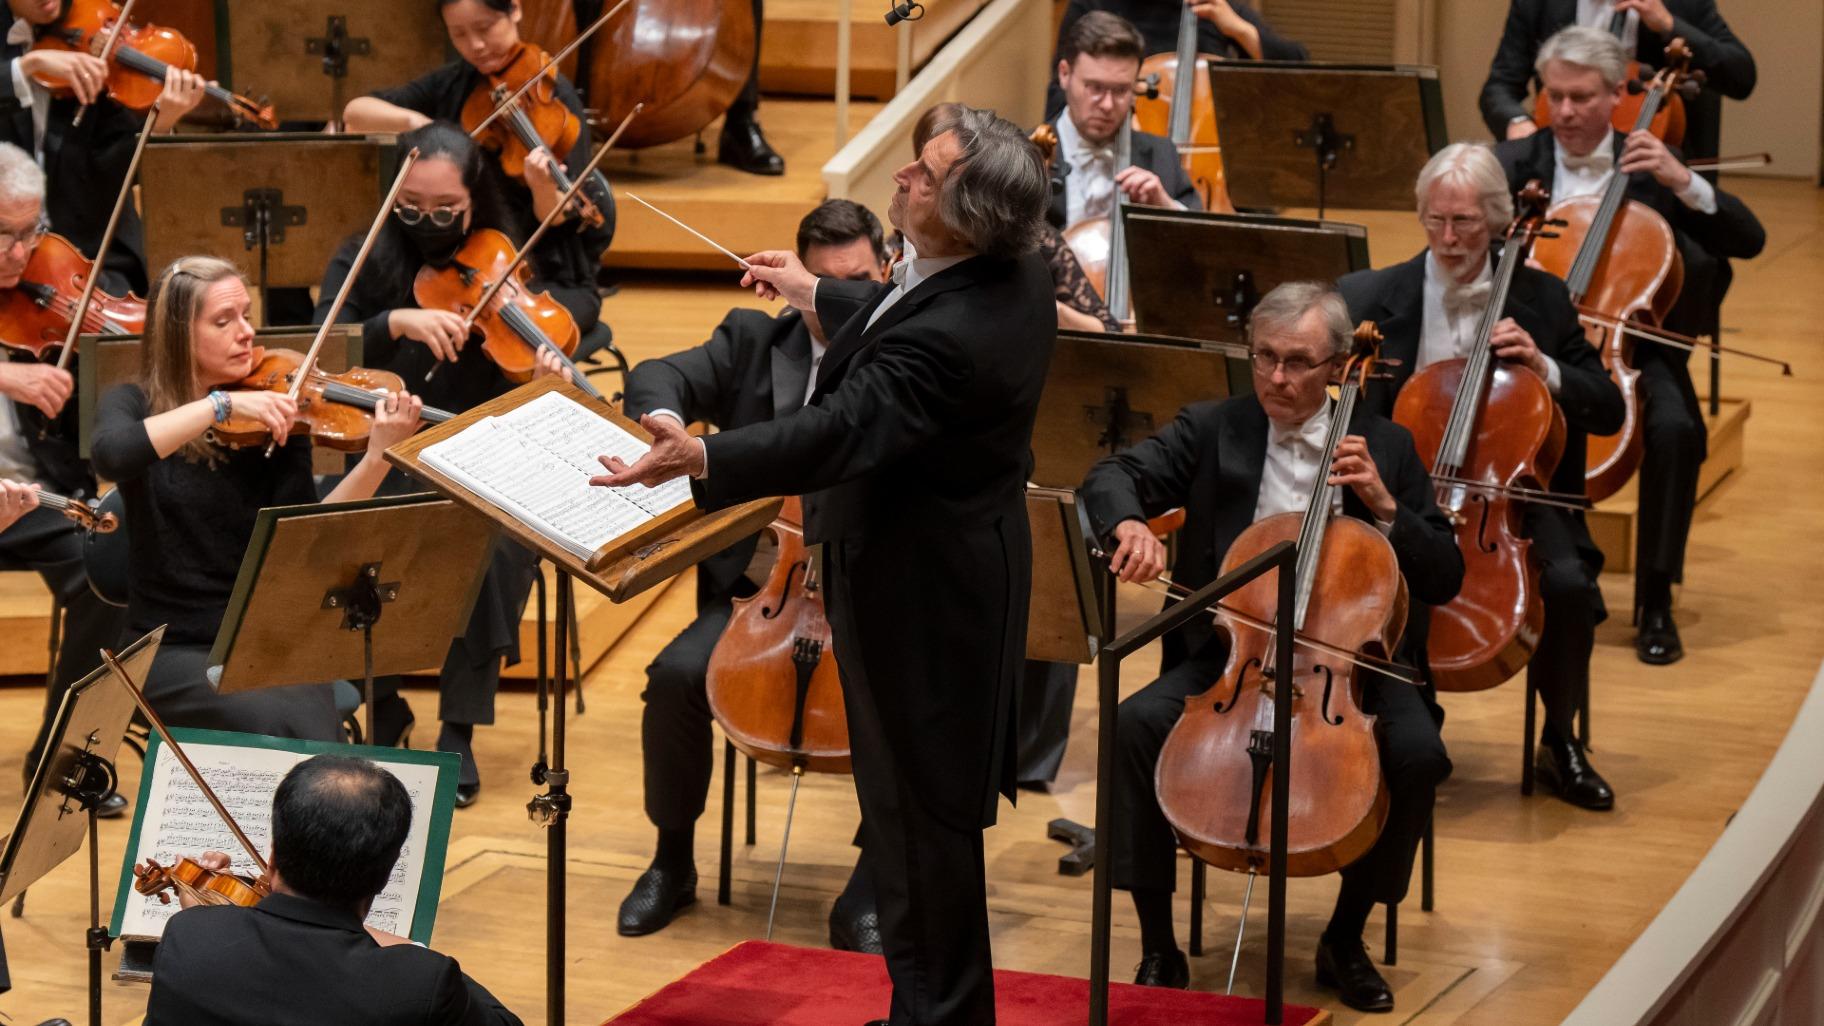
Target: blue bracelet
(223, 406)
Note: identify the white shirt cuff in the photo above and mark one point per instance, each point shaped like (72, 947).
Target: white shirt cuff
(1384, 526)
(1554, 377)
(1700, 195)
(704, 449)
(673, 414)
(22, 90)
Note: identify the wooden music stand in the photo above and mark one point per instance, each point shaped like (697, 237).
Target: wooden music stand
(1064, 620)
(1320, 135)
(309, 57)
(74, 776)
(1198, 275)
(277, 204)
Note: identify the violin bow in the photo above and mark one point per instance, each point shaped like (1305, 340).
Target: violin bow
(348, 283)
(1689, 344)
(177, 750)
(107, 239)
(108, 44)
(550, 62)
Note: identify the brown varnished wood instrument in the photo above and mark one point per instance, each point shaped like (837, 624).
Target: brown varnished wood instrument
(1188, 117)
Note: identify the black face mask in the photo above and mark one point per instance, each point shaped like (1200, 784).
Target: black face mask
(437, 245)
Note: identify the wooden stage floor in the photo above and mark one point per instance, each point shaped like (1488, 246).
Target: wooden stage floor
(1535, 899)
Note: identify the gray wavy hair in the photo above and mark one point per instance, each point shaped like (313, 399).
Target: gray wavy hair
(995, 194)
(1474, 166)
(1587, 47)
(20, 176)
(1280, 311)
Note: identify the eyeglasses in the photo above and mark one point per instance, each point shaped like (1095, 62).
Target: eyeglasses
(27, 238)
(1460, 224)
(1295, 367)
(1099, 91)
(442, 217)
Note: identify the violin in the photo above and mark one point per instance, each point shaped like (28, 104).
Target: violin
(773, 683)
(1189, 117)
(91, 517)
(335, 410)
(538, 120)
(1620, 259)
(189, 879)
(138, 60)
(1667, 122)
(35, 314)
(1350, 596)
(686, 62)
(1494, 433)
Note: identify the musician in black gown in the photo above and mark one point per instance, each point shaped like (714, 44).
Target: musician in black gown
(1228, 464)
(1582, 71)
(1428, 308)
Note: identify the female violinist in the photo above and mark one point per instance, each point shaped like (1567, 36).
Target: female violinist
(443, 201)
(86, 161)
(486, 35)
(192, 503)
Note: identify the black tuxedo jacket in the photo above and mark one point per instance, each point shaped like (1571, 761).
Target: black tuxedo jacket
(1152, 152)
(84, 166)
(913, 456)
(753, 368)
(289, 961)
(1209, 461)
(1394, 299)
(1706, 241)
(1726, 63)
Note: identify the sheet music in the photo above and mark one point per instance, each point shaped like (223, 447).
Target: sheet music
(178, 822)
(536, 462)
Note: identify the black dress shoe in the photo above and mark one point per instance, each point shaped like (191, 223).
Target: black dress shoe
(1164, 969)
(658, 895)
(114, 808)
(1657, 643)
(1563, 768)
(1344, 966)
(55, 1022)
(467, 793)
(743, 147)
(852, 930)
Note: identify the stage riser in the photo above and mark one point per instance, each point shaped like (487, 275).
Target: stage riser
(798, 45)
(1614, 523)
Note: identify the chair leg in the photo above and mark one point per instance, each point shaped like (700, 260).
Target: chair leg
(1393, 934)
(1531, 738)
(1198, 883)
(752, 773)
(50, 664)
(726, 870)
(1426, 857)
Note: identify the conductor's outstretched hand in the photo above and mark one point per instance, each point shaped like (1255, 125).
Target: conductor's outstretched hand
(674, 454)
(778, 273)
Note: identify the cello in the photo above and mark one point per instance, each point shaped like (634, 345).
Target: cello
(1189, 117)
(1492, 433)
(1620, 260)
(1214, 770)
(685, 60)
(1668, 122)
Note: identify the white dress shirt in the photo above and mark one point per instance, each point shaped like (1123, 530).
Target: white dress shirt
(1574, 176)
(1600, 13)
(1089, 188)
(30, 94)
(1290, 469)
(1452, 313)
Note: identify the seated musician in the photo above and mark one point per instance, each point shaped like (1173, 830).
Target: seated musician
(1098, 63)
(1429, 308)
(1230, 29)
(1647, 27)
(753, 368)
(338, 824)
(485, 35)
(38, 447)
(1582, 71)
(1230, 463)
(444, 199)
(192, 502)
(86, 162)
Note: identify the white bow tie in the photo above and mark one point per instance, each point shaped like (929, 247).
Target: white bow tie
(20, 34)
(1460, 299)
(1310, 434)
(1601, 159)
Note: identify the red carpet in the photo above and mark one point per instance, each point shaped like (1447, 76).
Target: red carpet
(757, 982)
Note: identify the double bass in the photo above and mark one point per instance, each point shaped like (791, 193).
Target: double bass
(1214, 772)
(1189, 117)
(685, 60)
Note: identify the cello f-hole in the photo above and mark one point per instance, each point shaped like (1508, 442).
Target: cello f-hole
(772, 612)
(1336, 719)
(1241, 687)
(1483, 542)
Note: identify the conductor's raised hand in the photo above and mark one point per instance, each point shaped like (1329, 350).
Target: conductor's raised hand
(674, 454)
(778, 274)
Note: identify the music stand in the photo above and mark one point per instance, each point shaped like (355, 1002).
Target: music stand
(301, 50)
(1063, 623)
(1312, 134)
(74, 776)
(277, 204)
(1198, 275)
(318, 580)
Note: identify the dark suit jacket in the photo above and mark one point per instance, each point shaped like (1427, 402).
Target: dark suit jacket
(84, 165)
(289, 961)
(1157, 20)
(1726, 63)
(52, 440)
(913, 456)
(1152, 152)
(1209, 461)
(754, 368)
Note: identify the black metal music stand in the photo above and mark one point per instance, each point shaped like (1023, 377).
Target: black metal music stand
(1318, 135)
(74, 776)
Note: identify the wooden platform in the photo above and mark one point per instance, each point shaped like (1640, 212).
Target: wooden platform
(1614, 521)
(798, 45)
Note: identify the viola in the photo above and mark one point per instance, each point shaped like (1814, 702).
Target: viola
(773, 683)
(1188, 118)
(686, 60)
(188, 878)
(538, 120)
(138, 61)
(1667, 121)
(1494, 434)
(35, 314)
(1620, 259)
(335, 410)
(1214, 772)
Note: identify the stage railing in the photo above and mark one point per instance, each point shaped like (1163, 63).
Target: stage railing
(1740, 941)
